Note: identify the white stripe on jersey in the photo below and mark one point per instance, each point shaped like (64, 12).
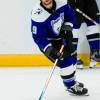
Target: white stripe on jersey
(92, 29)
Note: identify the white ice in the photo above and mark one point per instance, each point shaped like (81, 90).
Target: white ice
(27, 84)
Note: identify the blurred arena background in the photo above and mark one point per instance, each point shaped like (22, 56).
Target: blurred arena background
(17, 47)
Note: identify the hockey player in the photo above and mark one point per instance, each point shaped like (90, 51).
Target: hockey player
(52, 23)
(89, 7)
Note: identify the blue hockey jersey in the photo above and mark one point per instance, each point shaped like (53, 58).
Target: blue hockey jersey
(46, 26)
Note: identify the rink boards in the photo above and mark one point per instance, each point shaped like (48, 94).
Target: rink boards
(25, 60)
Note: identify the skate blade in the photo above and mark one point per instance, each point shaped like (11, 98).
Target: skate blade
(79, 66)
(96, 67)
(79, 95)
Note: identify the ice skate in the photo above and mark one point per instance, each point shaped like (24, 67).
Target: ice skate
(79, 64)
(78, 90)
(92, 63)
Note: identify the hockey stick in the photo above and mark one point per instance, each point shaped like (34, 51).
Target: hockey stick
(48, 80)
(93, 21)
(87, 17)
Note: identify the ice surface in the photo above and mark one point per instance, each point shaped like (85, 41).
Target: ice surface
(27, 84)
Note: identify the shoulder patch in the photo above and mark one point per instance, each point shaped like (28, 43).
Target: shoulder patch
(38, 14)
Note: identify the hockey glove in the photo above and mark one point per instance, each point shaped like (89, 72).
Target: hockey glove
(52, 52)
(66, 32)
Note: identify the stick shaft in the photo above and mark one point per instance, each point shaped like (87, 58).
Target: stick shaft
(86, 16)
(48, 80)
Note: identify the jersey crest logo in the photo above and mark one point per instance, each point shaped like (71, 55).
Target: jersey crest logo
(56, 24)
